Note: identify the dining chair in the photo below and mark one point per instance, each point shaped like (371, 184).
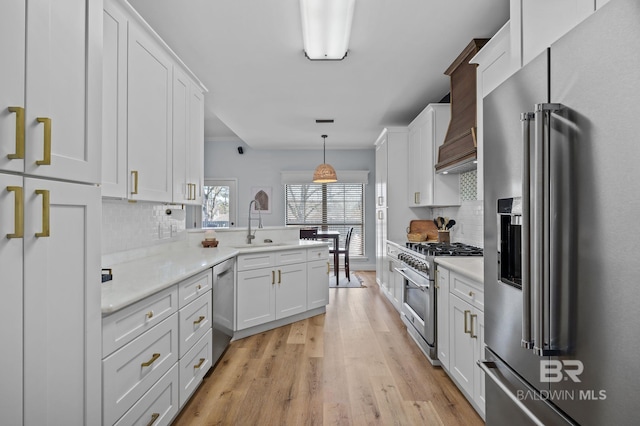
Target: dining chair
(345, 251)
(308, 233)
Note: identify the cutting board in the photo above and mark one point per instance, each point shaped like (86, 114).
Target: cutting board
(424, 227)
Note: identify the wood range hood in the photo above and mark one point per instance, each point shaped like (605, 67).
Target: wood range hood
(458, 152)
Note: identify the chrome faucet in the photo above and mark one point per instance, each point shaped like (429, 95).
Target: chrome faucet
(251, 236)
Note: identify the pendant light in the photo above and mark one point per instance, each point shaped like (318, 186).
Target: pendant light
(324, 172)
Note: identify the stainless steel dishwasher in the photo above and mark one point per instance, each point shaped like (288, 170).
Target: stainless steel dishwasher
(223, 306)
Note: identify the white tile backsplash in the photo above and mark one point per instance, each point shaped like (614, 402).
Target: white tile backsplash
(128, 226)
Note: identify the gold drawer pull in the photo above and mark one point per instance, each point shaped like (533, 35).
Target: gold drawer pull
(470, 294)
(46, 161)
(279, 276)
(134, 174)
(199, 287)
(18, 219)
(45, 213)
(151, 361)
(273, 277)
(199, 320)
(150, 314)
(19, 111)
(154, 417)
(198, 365)
(328, 268)
(466, 322)
(473, 336)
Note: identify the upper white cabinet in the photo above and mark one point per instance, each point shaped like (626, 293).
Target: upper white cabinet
(535, 25)
(188, 140)
(50, 88)
(153, 115)
(149, 123)
(426, 134)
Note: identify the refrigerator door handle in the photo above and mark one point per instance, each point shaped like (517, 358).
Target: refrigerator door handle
(488, 367)
(525, 120)
(540, 232)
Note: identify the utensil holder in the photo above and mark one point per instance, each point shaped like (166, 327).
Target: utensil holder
(444, 236)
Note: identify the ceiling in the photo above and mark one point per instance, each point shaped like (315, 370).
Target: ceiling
(263, 91)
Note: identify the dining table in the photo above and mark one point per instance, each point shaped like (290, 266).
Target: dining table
(335, 236)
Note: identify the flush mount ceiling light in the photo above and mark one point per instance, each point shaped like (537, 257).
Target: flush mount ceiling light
(326, 28)
(324, 172)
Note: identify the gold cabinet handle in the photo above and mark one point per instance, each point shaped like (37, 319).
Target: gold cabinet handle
(466, 322)
(151, 361)
(199, 287)
(198, 365)
(273, 277)
(150, 314)
(199, 320)
(416, 197)
(45, 213)
(279, 276)
(18, 219)
(192, 185)
(328, 268)
(154, 417)
(470, 294)
(473, 336)
(19, 111)
(134, 174)
(47, 141)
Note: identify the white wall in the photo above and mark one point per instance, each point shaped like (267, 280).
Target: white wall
(263, 167)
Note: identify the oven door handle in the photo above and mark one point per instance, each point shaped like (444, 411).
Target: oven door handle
(402, 272)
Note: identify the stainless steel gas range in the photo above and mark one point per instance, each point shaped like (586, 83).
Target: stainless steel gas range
(417, 262)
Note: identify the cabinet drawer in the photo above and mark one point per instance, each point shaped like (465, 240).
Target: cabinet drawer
(123, 326)
(130, 372)
(194, 365)
(255, 260)
(467, 289)
(291, 256)
(195, 320)
(158, 406)
(320, 253)
(193, 287)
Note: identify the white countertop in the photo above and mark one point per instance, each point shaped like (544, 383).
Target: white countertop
(136, 279)
(470, 267)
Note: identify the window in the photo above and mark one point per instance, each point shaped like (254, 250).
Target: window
(334, 207)
(218, 208)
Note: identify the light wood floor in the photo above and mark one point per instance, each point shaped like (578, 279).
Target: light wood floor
(354, 365)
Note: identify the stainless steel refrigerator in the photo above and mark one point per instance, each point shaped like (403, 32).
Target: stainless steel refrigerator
(562, 235)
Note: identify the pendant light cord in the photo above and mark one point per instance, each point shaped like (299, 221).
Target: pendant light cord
(324, 149)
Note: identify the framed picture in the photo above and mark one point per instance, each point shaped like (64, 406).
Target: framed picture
(262, 194)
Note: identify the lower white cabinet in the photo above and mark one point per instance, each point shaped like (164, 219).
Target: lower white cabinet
(280, 284)
(133, 369)
(156, 352)
(460, 326)
(158, 406)
(194, 365)
(442, 315)
(392, 287)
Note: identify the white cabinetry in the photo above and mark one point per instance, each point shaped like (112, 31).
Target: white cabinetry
(442, 317)
(392, 288)
(152, 112)
(461, 333)
(156, 352)
(273, 292)
(317, 278)
(392, 213)
(49, 229)
(50, 120)
(188, 140)
(149, 119)
(426, 134)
